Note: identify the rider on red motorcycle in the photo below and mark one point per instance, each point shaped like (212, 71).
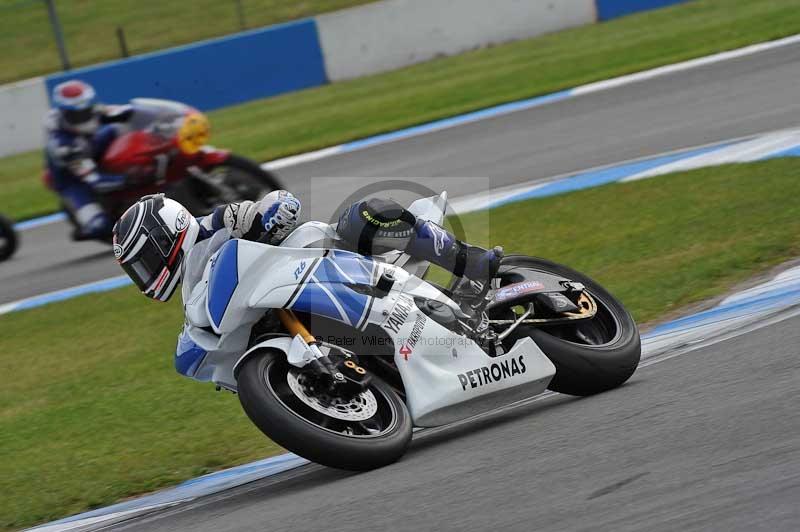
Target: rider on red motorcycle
(79, 130)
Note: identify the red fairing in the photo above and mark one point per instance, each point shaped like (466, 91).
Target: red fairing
(206, 158)
(168, 140)
(135, 153)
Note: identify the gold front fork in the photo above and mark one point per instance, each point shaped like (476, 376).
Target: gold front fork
(295, 326)
(292, 324)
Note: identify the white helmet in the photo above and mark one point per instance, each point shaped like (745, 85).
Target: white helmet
(150, 241)
(76, 102)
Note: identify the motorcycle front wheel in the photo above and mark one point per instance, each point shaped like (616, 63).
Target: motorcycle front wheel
(368, 431)
(590, 355)
(8, 238)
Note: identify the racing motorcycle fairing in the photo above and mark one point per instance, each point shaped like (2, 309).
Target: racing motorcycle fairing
(446, 376)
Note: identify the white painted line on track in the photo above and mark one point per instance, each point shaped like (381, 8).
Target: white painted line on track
(757, 148)
(102, 520)
(40, 221)
(685, 65)
(301, 158)
(103, 285)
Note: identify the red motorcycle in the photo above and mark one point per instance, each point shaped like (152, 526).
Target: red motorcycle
(162, 148)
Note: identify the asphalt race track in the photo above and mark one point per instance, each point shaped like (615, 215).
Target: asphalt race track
(709, 440)
(717, 102)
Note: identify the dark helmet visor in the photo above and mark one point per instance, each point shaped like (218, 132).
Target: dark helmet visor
(76, 117)
(145, 267)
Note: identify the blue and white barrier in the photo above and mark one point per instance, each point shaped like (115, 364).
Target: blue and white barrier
(257, 64)
(216, 73)
(609, 9)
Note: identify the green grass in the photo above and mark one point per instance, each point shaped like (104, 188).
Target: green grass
(96, 411)
(301, 121)
(92, 411)
(90, 27)
(22, 194)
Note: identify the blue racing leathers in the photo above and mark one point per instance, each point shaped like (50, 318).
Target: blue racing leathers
(71, 159)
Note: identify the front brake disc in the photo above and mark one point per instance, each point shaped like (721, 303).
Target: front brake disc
(361, 407)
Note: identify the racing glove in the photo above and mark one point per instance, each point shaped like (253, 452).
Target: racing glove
(274, 215)
(280, 215)
(86, 170)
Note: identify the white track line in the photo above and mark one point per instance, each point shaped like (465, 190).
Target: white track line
(686, 65)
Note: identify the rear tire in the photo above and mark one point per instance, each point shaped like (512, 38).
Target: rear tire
(8, 238)
(240, 179)
(265, 177)
(259, 383)
(583, 369)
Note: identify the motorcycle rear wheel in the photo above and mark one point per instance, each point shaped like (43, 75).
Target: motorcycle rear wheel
(8, 238)
(591, 355)
(270, 396)
(236, 179)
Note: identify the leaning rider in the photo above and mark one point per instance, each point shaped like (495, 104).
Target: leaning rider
(79, 130)
(153, 237)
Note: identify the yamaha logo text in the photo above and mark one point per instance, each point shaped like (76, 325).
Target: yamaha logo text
(399, 314)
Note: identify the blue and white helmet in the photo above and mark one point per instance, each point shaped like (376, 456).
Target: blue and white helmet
(75, 102)
(150, 242)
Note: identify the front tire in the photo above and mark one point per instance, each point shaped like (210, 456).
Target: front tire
(590, 356)
(8, 238)
(271, 401)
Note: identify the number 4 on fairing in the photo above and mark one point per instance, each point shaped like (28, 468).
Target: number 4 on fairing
(336, 356)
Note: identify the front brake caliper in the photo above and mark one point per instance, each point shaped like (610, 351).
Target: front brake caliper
(353, 372)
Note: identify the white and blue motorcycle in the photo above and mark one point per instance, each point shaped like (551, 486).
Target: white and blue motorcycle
(336, 356)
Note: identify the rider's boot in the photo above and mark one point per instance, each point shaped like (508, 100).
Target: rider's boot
(86, 213)
(481, 266)
(98, 226)
(475, 265)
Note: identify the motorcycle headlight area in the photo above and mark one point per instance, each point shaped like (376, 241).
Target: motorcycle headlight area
(193, 133)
